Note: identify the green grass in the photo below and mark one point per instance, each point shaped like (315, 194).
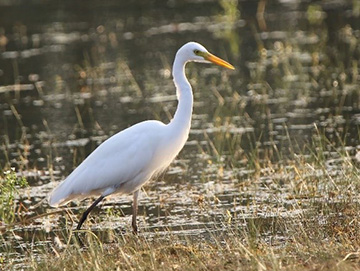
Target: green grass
(9, 191)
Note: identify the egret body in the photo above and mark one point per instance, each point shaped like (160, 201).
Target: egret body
(128, 159)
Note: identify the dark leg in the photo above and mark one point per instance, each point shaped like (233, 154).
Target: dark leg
(135, 209)
(87, 212)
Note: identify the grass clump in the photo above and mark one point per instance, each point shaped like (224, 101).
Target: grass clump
(9, 190)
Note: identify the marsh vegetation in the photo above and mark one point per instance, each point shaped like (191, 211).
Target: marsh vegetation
(269, 178)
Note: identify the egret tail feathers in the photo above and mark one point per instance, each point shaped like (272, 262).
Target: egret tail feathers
(59, 196)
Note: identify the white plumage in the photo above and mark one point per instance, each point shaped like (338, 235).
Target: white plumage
(121, 164)
(125, 161)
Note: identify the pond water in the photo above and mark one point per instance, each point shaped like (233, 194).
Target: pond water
(71, 75)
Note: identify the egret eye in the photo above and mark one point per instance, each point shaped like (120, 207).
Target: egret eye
(196, 52)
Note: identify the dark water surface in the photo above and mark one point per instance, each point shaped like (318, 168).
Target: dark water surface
(72, 74)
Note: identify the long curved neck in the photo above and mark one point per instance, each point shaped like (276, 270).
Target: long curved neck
(182, 117)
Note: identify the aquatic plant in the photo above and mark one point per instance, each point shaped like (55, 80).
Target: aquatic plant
(9, 190)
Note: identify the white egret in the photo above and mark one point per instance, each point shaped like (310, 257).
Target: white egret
(127, 160)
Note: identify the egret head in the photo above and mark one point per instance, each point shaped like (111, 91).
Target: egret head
(193, 51)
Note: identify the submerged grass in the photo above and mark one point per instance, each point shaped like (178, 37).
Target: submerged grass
(310, 223)
(310, 244)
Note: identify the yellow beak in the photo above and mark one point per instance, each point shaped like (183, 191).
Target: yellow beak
(218, 61)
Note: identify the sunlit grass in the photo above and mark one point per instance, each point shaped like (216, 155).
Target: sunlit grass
(311, 221)
(321, 233)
